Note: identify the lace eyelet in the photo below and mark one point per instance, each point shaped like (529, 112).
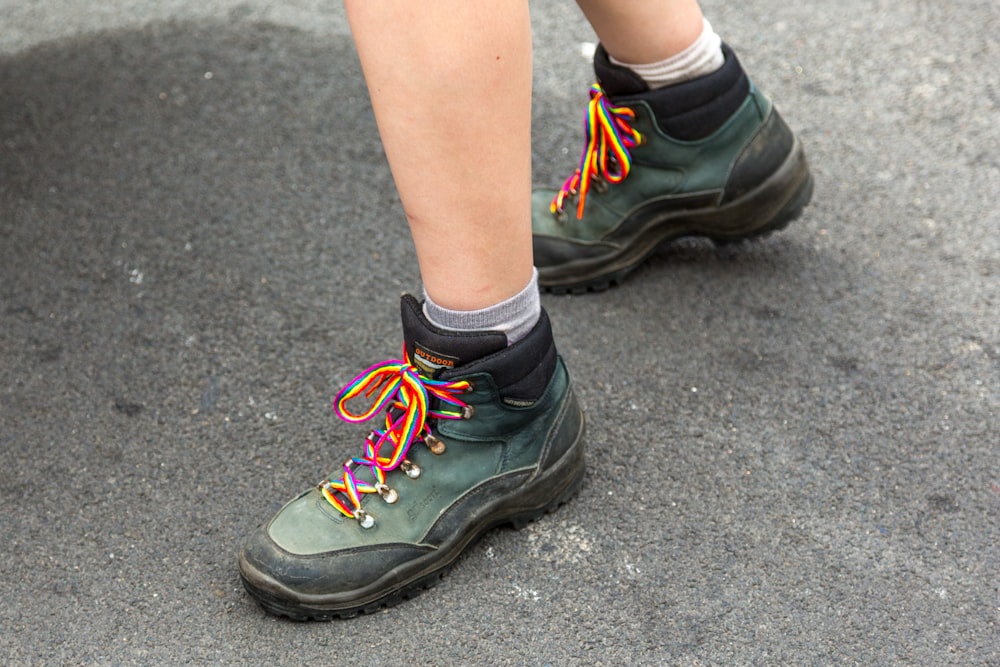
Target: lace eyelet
(468, 411)
(600, 185)
(411, 469)
(388, 494)
(434, 444)
(365, 520)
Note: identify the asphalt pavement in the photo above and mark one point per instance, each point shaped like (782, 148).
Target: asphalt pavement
(794, 444)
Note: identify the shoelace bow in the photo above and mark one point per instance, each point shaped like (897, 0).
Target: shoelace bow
(406, 397)
(609, 138)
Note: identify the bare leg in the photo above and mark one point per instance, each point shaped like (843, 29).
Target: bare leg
(644, 31)
(450, 82)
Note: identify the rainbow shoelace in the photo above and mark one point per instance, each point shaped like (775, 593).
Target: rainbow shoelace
(406, 396)
(610, 136)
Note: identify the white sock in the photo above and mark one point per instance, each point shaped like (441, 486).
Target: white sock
(701, 58)
(515, 317)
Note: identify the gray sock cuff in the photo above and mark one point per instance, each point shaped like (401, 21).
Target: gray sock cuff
(515, 316)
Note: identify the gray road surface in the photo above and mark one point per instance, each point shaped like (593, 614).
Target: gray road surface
(794, 445)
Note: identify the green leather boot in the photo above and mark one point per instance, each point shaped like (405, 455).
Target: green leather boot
(476, 435)
(709, 157)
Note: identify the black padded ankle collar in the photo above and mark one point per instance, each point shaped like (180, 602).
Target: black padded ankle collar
(434, 350)
(521, 371)
(616, 80)
(687, 111)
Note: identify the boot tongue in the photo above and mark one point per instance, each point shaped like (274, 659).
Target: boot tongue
(434, 351)
(615, 79)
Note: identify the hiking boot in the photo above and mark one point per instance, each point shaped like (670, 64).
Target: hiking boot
(477, 435)
(708, 157)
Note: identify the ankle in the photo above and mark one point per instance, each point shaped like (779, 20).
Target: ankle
(702, 57)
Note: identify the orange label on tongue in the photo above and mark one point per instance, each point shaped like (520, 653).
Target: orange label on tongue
(429, 362)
